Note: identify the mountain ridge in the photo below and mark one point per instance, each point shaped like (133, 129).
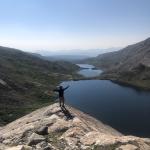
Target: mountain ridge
(130, 65)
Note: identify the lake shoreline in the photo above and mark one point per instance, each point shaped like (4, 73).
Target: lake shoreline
(110, 77)
(115, 80)
(108, 98)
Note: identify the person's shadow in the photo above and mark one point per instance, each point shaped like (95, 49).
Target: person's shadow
(66, 113)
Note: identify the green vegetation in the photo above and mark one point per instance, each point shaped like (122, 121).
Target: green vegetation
(26, 82)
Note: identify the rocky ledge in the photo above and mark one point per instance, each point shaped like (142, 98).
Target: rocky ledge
(52, 128)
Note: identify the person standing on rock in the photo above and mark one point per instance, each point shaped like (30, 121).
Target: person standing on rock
(61, 90)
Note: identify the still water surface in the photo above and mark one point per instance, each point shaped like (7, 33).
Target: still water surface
(88, 70)
(124, 108)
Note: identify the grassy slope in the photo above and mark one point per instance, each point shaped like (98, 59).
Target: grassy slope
(29, 82)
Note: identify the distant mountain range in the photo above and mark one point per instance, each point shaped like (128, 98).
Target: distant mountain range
(73, 55)
(71, 58)
(76, 52)
(130, 65)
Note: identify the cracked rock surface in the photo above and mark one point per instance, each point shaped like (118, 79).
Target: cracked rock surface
(53, 128)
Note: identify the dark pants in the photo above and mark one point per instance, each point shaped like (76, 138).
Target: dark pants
(61, 101)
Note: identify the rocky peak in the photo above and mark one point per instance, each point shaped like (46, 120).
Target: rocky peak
(65, 129)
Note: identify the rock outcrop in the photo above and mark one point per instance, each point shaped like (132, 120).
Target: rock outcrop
(52, 128)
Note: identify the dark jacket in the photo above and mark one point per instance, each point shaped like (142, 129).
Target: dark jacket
(61, 90)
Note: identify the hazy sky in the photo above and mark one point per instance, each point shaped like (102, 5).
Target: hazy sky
(73, 24)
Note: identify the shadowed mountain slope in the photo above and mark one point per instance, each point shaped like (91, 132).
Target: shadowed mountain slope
(130, 65)
(25, 82)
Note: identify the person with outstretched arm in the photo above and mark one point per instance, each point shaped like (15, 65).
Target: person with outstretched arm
(61, 90)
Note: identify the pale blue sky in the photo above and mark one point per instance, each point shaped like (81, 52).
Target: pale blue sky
(73, 24)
